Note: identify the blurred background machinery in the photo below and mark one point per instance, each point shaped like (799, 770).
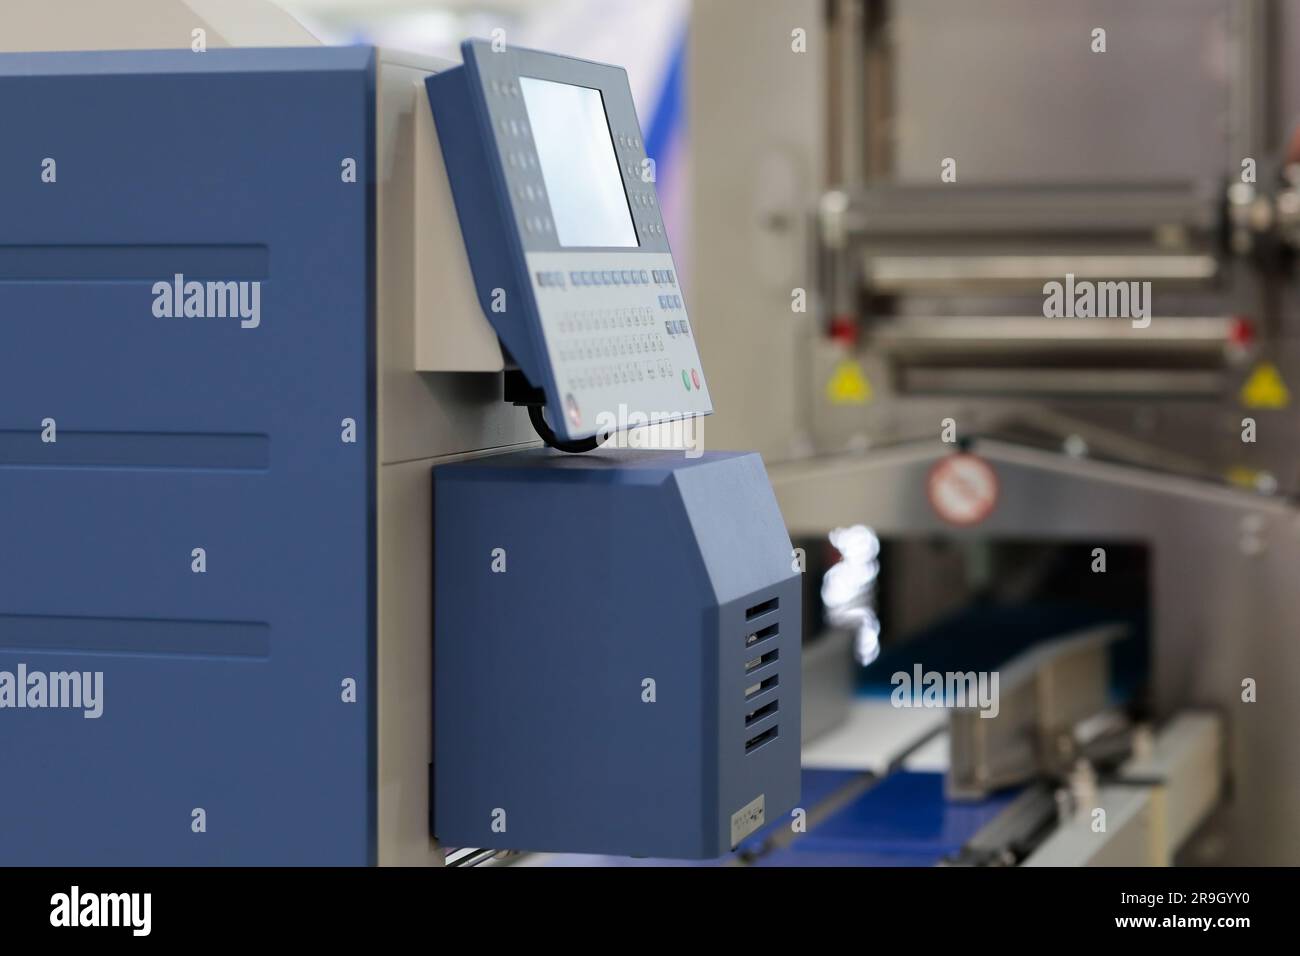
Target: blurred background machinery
(903, 180)
(1121, 165)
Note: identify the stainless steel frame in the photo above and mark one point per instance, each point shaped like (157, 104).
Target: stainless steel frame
(1223, 574)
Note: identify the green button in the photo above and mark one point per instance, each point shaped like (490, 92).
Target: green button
(686, 380)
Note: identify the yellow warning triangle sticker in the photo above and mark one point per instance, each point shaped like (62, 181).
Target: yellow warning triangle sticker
(1242, 476)
(849, 385)
(1265, 388)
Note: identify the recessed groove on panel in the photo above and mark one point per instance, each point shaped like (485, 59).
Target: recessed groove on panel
(43, 634)
(131, 263)
(101, 449)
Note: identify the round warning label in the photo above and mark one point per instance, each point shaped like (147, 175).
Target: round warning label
(963, 489)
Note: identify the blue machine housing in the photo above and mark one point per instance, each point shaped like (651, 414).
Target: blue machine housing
(562, 585)
(222, 690)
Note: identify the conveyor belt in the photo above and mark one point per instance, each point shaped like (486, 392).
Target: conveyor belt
(901, 820)
(904, 820)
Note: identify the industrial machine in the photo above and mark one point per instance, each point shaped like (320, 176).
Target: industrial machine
(263, 305)
(913, 178)
(288, 576)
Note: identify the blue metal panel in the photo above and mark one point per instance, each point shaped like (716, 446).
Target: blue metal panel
(222, 690)
(611, 576)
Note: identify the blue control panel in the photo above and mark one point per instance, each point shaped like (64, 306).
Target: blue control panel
(557, 204)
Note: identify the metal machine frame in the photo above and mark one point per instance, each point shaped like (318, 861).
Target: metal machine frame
(1223, 595)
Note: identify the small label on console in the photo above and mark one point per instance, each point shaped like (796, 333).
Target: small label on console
(746, 820)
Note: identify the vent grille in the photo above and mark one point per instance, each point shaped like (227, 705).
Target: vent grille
(754, 716)
(753, 743)
(761, 704)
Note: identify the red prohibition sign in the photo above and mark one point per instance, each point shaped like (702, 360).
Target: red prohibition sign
(963, 489)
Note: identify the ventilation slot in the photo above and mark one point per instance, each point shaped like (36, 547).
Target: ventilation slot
(762, 631)
(753, 743)
(762, 660)
(767, 710)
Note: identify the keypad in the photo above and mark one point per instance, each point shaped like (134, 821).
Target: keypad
(604, 347)
(617, 334)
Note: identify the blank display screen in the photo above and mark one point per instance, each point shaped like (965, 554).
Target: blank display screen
(578, 164)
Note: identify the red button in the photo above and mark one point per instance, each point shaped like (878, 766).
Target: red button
(1241, 331)
(695, 377)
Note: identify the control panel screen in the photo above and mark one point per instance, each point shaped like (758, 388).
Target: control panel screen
(581, 172)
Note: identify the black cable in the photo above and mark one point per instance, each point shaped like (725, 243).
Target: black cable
(554, 441)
